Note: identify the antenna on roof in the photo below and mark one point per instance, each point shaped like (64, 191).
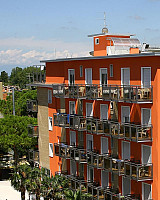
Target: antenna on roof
(105, 29)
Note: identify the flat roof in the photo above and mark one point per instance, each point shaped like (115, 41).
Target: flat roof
(102, 57)
(101, 34)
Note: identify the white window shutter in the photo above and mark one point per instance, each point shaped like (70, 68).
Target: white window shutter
(125, 114)
(104, 145)
(146, 116)
(104, 111)
(50, 123)
(89, 109)
(146, 81)
(125, 76)
(50, 149)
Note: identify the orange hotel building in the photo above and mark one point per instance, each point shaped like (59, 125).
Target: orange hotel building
(99, 119)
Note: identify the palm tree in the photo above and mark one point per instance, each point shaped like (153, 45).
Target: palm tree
(77, 195)
(19, 178)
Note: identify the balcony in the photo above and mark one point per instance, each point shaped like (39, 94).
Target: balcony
(62, 150)
(32, 106)
(138, 172)
(33, 130)
(128, 93)
(127, 131)
(34, 156)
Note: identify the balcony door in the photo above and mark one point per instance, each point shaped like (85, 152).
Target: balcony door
(89, 109)
(125, 150)
(73, 168)
(71, 107)
(89, 142)
(126, 186)
(104, 178)
(90, 173)
(72, 138)
(146, 191)
(146, 116)
(103, 111)
(88, 76)
(125, 114)
(125, 76)
(104, 145)
(146, 77)
(146, 154)
(71, 76)
(103, 76)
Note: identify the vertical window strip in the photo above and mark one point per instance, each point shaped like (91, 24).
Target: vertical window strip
(111, 70)
(81, 71)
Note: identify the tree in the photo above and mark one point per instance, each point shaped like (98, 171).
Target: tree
(4, 77)
(77, 195)
(6, 106)
(20, 178)
(14, 135)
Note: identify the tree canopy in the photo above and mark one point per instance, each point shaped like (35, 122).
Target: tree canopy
(4, 77)
(6, 106)
(14, 134)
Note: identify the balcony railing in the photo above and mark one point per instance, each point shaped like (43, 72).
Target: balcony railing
(138, 172)
(127, 131)
(33, 130)
(32, 106)
(128, 93)
(96, 191)
(34, 156)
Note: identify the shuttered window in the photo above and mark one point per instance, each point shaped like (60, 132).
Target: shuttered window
(146, 116)
(104, 111)
(89, 109)
(90, 173)
(104, 145)
(125, 76)
(146, 77)
(49, 96)
(88, 76)
(125, 114)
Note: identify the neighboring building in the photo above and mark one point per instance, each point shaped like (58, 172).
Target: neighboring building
(99, 120)
(1, 91)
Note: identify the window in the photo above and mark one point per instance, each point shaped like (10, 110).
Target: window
(104, 178)
(88, 76)
(49, 96)
(103, 111)
(146, 116)
(125, 114)
(71, 107)
(125, 76)
(89, 109)
(72, 138)
(96, 40)
(89, 142)
(146, 154)
(111, 70)
(125, 150)
(103, 76)
(73, 168)
(50, 149)
(126, 186)
(104, 145)
(90, 174)
(146, 77)
(81, 70)
(50, 123)
(71, 76)
(146, 191)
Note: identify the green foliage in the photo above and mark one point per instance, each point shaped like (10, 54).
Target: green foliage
(14, 134)
(4, 77)
(77, 195)
(20, 76)
(6, 106)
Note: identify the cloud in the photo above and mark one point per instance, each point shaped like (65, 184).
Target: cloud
(137, 17)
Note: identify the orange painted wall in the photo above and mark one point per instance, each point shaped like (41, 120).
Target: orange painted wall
(135, 64)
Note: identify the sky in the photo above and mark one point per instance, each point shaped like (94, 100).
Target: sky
(34, 30)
